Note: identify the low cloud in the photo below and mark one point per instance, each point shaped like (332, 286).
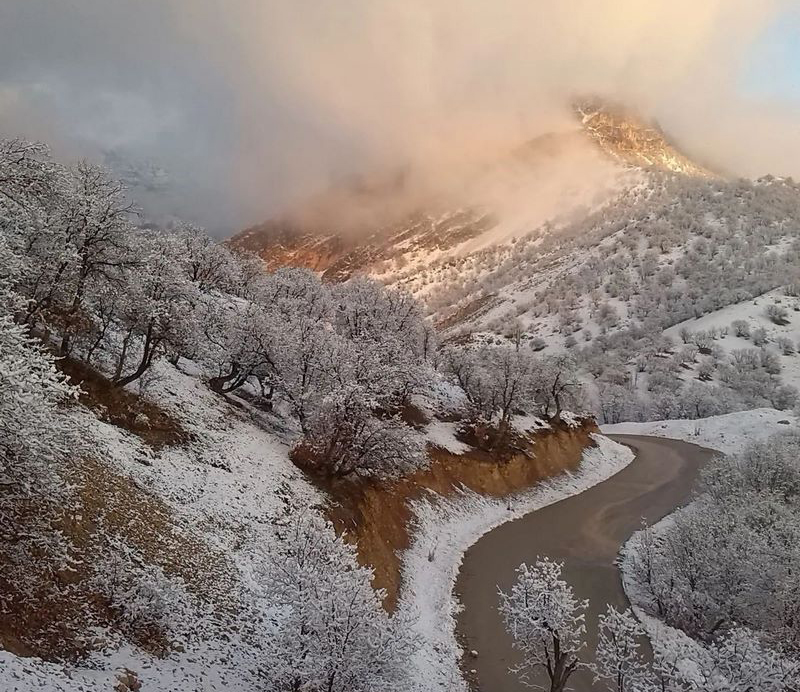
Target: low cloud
(254, 105)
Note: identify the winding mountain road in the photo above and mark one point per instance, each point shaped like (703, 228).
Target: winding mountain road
(586, 532)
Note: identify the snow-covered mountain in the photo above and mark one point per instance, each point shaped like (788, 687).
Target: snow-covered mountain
(601, 239)
(552, 179)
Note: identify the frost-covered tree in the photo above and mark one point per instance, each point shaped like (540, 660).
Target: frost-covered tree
(729, 558)
(33, 432)
(97, 231)
(497, 381)
(759, 336)
(76, 241)
(207, 263)
(365, 310)
(330, 631)
(36, 434)
(786, 345)
(546, 621)
(556, 384)
(502, 379)
(240, 343)
(344, 436)
(619, 656)
(741, 328)
(741, 663)
(158, 315)
(701, 400)
(777, 314)
(614, 400)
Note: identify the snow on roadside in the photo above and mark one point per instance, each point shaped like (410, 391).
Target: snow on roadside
(669, 643)
(726, 433)
(443, 530)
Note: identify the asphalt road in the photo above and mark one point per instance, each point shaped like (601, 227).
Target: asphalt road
(586, 532)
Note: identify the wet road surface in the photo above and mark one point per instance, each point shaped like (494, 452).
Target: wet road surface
(585, 532)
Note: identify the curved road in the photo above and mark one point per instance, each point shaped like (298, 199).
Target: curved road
(586, 532)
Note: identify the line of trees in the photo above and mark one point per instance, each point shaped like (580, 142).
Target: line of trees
(500, 380)
(79, 280)
(731, 558)
(93, 286)
(343, 361)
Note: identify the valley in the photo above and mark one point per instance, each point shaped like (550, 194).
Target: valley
(482, 402)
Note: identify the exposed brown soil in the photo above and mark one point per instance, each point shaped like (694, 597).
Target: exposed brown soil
(328, 245)
(377, 515)
(115, 503)
(122, 408)
(47, 610)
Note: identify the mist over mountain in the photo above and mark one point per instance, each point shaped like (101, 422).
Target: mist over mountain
(257, 106)
(336, 340)
(551, 180)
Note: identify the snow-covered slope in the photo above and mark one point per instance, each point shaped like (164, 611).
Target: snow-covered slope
(728, 433)
(653, 246)
(543, 184)
(227, 491)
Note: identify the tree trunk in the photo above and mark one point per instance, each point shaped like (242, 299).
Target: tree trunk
(123, 354)
(502, 432)
(562, 668)
(227, 383)
(148, 351)
(77, 301)
(95, 345)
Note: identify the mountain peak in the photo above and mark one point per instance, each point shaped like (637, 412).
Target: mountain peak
(625, 136)
(544, 182)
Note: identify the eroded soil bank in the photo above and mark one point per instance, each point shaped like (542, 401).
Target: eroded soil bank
(378, 515)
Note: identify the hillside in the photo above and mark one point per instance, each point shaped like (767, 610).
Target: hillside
(180, 537)
(549, 180)
(610, 273)
(216, 475)
(210, 472)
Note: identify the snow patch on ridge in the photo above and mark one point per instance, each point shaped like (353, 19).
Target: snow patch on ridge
(444, 528)
(443, 435)
(727, 433)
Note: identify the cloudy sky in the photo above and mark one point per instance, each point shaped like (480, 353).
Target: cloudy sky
(250, 105)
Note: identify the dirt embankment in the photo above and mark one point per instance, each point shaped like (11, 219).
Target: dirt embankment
(377, 516)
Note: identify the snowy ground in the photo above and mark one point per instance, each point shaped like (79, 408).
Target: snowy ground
(753, 312)
(445, 528)
(216, 486)
(233, 487)
(668, 643)
(727, 433)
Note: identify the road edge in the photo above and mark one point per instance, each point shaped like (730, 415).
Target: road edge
(447, 527)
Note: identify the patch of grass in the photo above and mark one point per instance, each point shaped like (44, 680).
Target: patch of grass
(122, 408)
(49, 606)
